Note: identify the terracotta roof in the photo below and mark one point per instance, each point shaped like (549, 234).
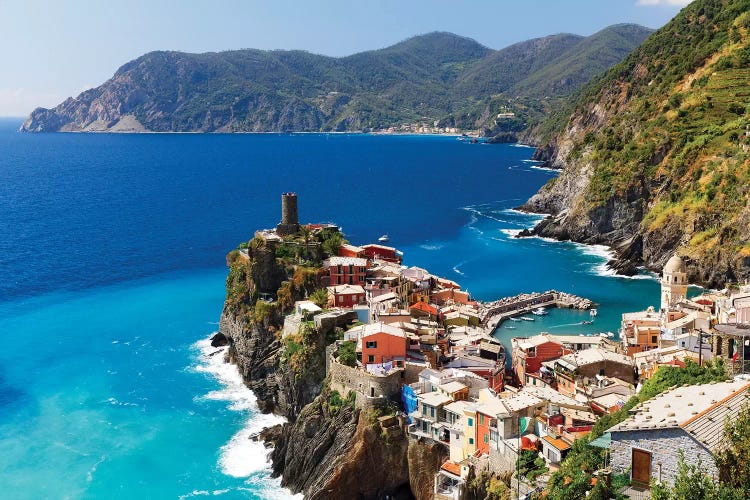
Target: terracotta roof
(424, 307)
(557, 443)
(451, 467)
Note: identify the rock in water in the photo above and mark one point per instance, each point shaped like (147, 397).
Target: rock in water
(219, 340)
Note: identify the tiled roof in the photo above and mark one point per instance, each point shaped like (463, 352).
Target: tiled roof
(557, 443)
(595, 355)
(452, 387)
(345, 261)
(375, 328)
(425, 307)
(434, 398)
(451, 467)
(708, 426)
(685, 405)
(346, 289)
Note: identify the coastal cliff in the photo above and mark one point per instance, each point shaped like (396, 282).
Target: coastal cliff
(330, 447)
(654, 155)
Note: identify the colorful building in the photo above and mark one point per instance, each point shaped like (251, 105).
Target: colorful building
(374, 251)
(529, 353)
(345, 295)
(347, 250)
(346, 270)
(381, 343)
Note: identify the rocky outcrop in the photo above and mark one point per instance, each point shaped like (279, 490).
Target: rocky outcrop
(342, 452)
(425, 458)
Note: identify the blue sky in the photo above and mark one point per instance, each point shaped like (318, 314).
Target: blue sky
(55, 49)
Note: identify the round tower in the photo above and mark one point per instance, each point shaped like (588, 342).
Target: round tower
(674, 283)
(289, 208)
(289, 219)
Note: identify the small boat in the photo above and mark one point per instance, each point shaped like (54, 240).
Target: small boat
(586, 322)
(539, 311)
(526, 318)
(514, 319)
(610, 335)
(510, 327)
(594, 312)
(384, 239)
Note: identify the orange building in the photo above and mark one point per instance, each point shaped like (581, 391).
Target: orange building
(382, 343)
(640, 331)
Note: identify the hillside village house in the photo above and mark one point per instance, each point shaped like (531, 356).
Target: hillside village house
(529, 353)
(685, 419)
(576, 371)
(381, 344)
(347, 250)
(374, 251)
(640, 331)
(346, 296)
(346, 270)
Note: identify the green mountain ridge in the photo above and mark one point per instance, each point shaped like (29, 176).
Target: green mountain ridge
(434, 77)
(655, 152)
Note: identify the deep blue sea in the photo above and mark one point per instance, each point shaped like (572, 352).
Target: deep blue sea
(112, 275)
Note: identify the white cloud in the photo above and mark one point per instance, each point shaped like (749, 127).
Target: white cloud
(678, 3)
(22, 101)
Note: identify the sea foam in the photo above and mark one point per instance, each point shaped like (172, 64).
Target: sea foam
(241, 457)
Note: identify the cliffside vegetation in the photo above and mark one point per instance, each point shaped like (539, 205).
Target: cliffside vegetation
(655, 152)
(434, 77)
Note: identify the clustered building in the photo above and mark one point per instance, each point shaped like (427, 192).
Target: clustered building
(420, 340)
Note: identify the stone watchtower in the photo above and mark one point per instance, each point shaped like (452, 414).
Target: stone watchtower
(674, 283)
(289, 220)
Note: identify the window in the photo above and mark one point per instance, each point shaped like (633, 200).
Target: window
(370, 358)
(481, 419)
(351, 279)
(351, 269)
(471, 422)
(424, 409)
(653, 339)
(432, 412)
(471, 440)
(486, 439)
(373, 344)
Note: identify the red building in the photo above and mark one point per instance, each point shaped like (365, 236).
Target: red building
(347, 250)
(346, 295)
(346, 270)
(529, 353)
(374, 251)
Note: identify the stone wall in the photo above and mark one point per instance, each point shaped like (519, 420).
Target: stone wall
(326, 322)
(665, 446)
(371, 390)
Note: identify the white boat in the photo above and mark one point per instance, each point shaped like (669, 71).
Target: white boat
(539, 311)
(515, 319)
(509, 327)
(594, 312)
(384, 239)
(610, 335)
(526, 318)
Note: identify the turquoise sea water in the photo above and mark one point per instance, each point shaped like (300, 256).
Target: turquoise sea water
(113, 278)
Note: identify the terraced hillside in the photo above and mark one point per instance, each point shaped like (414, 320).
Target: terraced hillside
(655, 154)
